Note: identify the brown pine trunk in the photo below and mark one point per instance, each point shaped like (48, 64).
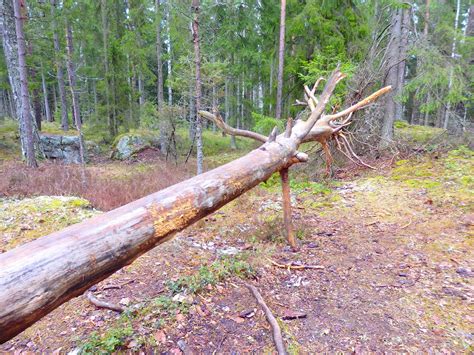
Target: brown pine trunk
(392, 77)
(402, 53)
(25, 97)
(281, 58)
(75, 98)
(45, 97)
(59, 72)
(197, 58)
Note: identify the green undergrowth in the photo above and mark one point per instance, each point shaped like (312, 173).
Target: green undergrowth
(210, 275)
(161, 312)
(416, 134)
(447, 179)
(24, 220)
(314, 195)
(9, 137)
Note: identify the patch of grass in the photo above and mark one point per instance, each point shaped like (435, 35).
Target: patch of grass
(212, 274)
(113, 339)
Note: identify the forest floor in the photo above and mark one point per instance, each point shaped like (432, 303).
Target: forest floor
(395, 246)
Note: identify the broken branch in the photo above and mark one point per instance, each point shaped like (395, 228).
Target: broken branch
(277, 337)
(102, 304)
(217, 119)
(292, 266)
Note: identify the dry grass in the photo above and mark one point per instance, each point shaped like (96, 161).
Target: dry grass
(108, 186)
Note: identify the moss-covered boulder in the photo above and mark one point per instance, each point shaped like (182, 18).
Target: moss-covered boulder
(128, 144)
(27, 219)
(62, 148)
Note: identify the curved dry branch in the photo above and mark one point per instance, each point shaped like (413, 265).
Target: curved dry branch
(102, 304)
(361, 104)
(277, 337)
(217, 119)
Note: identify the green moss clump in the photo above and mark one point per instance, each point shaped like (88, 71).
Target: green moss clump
(415, 133)
(24, 220)
(448, 179)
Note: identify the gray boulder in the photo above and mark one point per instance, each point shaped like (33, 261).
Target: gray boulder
(129, 144)
(61, 148)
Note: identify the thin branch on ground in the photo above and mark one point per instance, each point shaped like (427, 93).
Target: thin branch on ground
(277, 337)
(102, 304)
(293, 266)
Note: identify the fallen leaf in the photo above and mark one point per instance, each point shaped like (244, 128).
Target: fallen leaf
(237, 319)
(160, 337)
(180, 318)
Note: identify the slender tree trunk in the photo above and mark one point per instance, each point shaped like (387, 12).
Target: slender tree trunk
(75, 100)
(281, 58)
(10, 104)
(141, 90)
(35, 92)
(427, 18)
(197, 58)
(447, 113)
(427, 116)
(45, 97)
(10, 48)
(59, 71)
(392, 77)
(96, 105)
(168, 49)
(55, 102)
(105, 30)
(25, 97)
(160, 96)
(402, 53)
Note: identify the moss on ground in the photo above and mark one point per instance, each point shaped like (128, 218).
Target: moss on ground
(416, 134)
(24, 220)
(446, 179)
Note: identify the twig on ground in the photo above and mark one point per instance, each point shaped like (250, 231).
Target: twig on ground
(406, 225)
(102, 304)
(277, 337)
(292, 266)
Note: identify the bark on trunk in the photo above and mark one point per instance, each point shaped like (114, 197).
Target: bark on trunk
(25, 97)
(45, 97)
(281, 58)
(447, 113)
(59, 72)
(197, 58)
(10, 47)
(392, 78)
(75, 98)
(110, 117)
(168, 48)
(402, 53)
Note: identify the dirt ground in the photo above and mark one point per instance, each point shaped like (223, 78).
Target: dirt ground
(397, 275)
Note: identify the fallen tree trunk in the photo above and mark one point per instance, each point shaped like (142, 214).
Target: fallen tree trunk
(39, 276)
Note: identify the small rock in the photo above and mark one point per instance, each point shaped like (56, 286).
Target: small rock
(125, 301)
(182, 345)
(465, 272)
(228, 251)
